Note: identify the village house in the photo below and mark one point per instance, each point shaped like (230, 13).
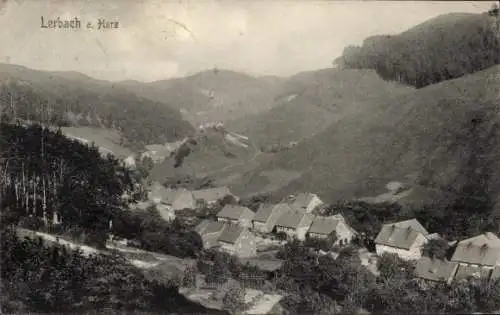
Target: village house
(175, 199)
(436, 270)
(294, 223)
(167, 201)
(267, 215)
(477, 256)
(212, 195)
(323, 227)
(405, 239)
(209, 231)
(180, 199)
(306, 202)
(237, 240)
(235, 214)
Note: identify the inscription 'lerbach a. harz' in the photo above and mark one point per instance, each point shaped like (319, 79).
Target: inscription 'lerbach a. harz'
(76, 23)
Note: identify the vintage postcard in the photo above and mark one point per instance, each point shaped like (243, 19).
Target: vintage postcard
(249, 157)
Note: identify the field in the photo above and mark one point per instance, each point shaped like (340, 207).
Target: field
(104, 138)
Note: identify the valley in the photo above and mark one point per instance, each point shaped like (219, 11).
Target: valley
(368, 185)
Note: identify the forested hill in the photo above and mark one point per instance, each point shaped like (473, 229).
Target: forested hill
(78, 100)
(43, 172)
(446, 47)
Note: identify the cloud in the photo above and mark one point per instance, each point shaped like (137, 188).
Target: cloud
(161, 39)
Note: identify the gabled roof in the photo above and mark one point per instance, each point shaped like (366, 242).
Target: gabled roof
(231, 233)
(291, 219)
(401, 234)
(435, 269)
(235, 212)
(464, 272)
(324, 225)
(208, 226)
(266, 211)
(302, 200)
(211, 194)
(483, 249)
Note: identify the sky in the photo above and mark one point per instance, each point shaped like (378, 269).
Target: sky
(161, 39)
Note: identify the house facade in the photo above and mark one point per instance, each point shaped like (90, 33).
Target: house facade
(238, 241)
(235, 214)
(405, 239)
(182, 199)
(267, 215)
(306, 202)
(477, 255)
(324, 227)
(295, 224)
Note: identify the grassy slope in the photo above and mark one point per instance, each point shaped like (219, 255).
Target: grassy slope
(212, 155)
(102, 137)
(234, 94)
(428, 135)
(310, 101)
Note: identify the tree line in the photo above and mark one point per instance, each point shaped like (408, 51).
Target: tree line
(443, 48)
(44, 174)
(140, 121)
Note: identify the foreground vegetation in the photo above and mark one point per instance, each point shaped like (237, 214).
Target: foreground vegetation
(54, 279)
(42, 174)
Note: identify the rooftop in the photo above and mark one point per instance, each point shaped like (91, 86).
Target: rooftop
(435, 269)
(401, 234)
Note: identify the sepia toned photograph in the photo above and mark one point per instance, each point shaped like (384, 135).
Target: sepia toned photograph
(251, 157)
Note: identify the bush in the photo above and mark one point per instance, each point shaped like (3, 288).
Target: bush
(436, 248)
(54, 279)
(234, 298)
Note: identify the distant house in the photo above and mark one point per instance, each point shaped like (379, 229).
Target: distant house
(233, 239)
(236, 215)
(176, 199)
(307, 202)
(180, 199)
(209, 231)
(237, 240)
(404, 239)
(267, 215)
(294, 223)
(323, 227)
(479, 251)
(436, 270)
(212, 195)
